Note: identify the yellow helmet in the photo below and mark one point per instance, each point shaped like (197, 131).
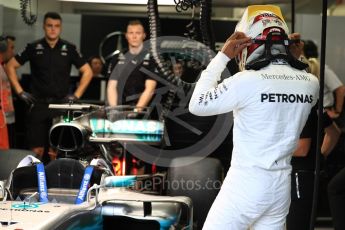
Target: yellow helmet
(257, 22)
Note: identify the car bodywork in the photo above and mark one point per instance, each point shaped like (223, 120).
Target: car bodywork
(113, 200)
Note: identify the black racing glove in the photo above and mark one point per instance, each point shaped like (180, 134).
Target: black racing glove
(70, 99)
(27, 98)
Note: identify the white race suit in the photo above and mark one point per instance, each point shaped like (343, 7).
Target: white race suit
(270, 107)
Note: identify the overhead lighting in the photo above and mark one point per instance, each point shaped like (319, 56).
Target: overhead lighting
(127, 2)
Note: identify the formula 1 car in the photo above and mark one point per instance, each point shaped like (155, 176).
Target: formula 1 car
(106, 206)
(74, 194)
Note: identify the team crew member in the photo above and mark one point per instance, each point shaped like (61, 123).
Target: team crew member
(127, 84)
(303, 167)
(96, 65)
(336, 197)
(7, 103)
(4, 100)
(303, 160)
(51, 59)
(334, 90)
(271, 101)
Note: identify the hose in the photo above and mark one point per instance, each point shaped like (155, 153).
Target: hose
(162, 66)
(184, 5)
(28, 17)
(205, 23)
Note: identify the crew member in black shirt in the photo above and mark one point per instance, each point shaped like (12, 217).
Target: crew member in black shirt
(127, 84)
(303, 167)
(303, 160)
(51, 59)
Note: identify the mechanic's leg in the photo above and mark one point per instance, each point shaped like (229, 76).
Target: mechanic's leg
(275, 217)
(37, 129)
(336, 196)
(245, 195)
(53, 117)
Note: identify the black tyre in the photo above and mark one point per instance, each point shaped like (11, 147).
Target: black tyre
(201, 181)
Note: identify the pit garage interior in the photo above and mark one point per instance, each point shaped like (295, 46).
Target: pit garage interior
(98, 28)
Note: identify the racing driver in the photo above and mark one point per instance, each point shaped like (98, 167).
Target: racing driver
(271, 98)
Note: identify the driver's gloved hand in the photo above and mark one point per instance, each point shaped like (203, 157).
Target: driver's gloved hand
(71, 99)
(27, 98)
